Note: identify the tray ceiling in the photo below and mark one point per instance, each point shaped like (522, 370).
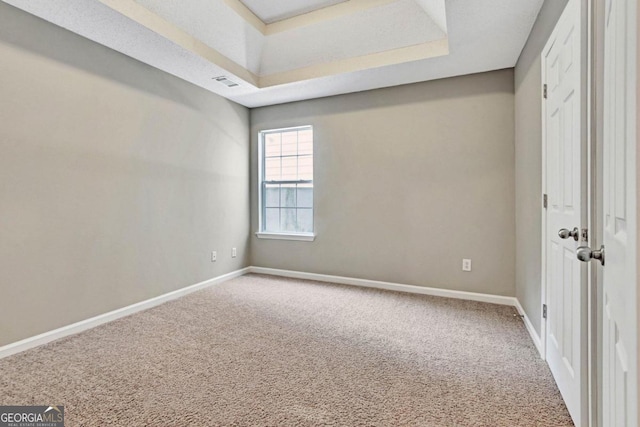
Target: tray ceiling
(276, 54)
(277, 10)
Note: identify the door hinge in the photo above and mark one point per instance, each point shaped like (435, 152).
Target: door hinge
(545, 201)
(544, 91)
(544, 311)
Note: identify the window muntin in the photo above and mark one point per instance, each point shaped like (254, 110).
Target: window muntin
(286, 181)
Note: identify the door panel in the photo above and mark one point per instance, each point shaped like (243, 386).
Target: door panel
(564, 166)
(619, 329)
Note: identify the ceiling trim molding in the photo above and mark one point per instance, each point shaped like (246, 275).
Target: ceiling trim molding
(138, 13)
(146, 18)
(306, 19)
(417, 52)
(246, 14)
(324, 14)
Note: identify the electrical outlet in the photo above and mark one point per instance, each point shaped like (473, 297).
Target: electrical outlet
(234, 253)
(214, 256)
(466, 265)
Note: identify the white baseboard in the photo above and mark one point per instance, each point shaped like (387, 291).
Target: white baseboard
(532, 331)
(83, 325)
(493, 299)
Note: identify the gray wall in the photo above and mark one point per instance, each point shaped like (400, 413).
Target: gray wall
(116, 179)
(528, 109)
(408, 181)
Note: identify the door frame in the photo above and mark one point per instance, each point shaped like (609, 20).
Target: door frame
(593, 85)
(595, 91)
(543, 214)
(596, 135)
(586, 147)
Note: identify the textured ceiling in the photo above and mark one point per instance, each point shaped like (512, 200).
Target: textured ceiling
(270, 11)
(352, 46)
(231, 35)
(370, 31)
(350, 35)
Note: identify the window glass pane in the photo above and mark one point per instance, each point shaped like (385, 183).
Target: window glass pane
(305, 142)
(272, 195)
(289, 168)
(288, 220)
(305, 220)
(272, 219)
(272, 169)
(272, 145)
(290, 143)
(288, 196)
(305, 196)
(305, 168)
(287, 157)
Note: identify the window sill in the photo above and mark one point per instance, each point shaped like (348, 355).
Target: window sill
(301, 237)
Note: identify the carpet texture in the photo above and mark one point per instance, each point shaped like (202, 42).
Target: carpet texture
(265, 351)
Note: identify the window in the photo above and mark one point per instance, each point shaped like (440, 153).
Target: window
(286, 183)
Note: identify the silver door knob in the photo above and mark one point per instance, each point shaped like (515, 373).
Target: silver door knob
(586, 254)
(565, 234)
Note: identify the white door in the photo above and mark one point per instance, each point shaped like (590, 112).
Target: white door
(565, 179)
(619, 328)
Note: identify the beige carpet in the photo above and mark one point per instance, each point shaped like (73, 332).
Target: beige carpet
(263, 351)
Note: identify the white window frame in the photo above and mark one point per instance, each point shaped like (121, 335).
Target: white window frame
(261, 234)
